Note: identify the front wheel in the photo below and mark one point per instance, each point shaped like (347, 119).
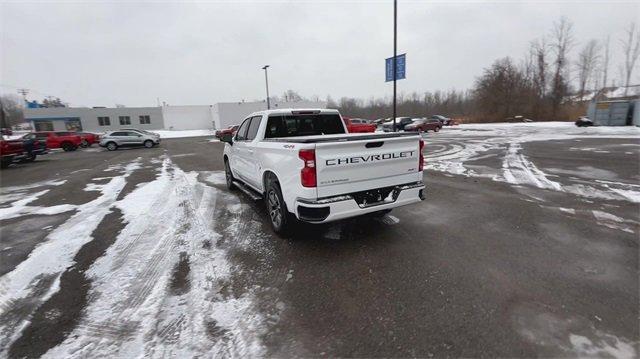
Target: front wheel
(148, 143)
(436, 129)
(276, 208)
(84, 144)
(112, 146)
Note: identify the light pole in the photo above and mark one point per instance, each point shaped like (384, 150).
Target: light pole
(395, 50)
(266, 80)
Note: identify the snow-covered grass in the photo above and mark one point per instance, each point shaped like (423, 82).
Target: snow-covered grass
(184, 133)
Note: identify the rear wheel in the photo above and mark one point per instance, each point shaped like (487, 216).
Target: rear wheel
(68, 146)
(228, 176)
(279, 216)
(112, 146)
(5, 162)
(148, 143)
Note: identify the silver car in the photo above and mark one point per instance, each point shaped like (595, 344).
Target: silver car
(129, 138)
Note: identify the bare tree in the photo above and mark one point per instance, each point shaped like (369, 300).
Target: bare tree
(11, 107)
(605, 63)
(631, 48)
(587, 61)
(561, 43)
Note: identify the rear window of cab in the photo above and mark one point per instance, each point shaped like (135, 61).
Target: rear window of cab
(303, 125)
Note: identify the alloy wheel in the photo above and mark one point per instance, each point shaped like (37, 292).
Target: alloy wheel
(274, 209)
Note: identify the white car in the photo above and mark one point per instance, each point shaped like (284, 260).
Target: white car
(307, 167)
(129, 138)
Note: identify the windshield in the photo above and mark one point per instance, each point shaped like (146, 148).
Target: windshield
(303, 125)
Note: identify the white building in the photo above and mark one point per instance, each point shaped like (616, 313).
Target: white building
(226, 114)
(197, 117)
(98, 119)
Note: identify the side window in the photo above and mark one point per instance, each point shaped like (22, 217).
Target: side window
(253, 127)
(241, 135)
(134, 134)
(104, 121)
(118, 134)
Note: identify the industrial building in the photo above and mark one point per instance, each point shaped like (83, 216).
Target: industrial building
(166, 117)
(226, 114)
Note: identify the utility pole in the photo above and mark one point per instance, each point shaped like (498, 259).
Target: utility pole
(395, 49)
(266, 80)
(24, 93)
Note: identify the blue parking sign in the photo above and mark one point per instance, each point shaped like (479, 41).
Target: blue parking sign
(401, 66)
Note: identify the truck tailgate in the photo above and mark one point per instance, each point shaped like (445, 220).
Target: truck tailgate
(351, 166)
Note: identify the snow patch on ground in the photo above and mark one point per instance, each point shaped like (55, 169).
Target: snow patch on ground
(132, 311)
(455, 148)
(56, 253)
(216, 178)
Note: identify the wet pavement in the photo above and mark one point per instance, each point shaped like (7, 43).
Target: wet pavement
(525, 247)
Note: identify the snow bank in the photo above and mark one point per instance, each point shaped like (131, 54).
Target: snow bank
(184, 133)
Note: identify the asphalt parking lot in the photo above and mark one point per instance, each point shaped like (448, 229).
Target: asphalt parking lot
(526, 246)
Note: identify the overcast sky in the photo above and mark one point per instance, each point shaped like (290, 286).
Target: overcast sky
(206, 52)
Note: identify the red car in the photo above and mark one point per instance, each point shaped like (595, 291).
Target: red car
(424, 125)
(88, 138)
(358, 125)
(230, 130)
(25, 149)
(68, 141)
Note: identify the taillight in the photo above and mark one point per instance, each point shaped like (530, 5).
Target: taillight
(308, 172)
(421, 158)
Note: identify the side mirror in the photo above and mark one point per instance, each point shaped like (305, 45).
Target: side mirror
(228, 138)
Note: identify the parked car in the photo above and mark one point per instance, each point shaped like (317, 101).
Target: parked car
(129, 138)
(229, 130)
(445, 121)
(306, 167)
(88, 138)
(424, 125)
(584, 121)
(24, 149)
(358, 125)
(68, 141)
(401, 122)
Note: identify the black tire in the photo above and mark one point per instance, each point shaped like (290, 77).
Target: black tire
(229, 176)
(84, 144)
(67, 146)
(148, 143)
(279, 217)
(111, 146)
(436, 129)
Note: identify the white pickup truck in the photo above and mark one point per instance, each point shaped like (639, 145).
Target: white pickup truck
(307, 167)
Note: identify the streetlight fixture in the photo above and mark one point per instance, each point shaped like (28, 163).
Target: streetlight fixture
(266, 80)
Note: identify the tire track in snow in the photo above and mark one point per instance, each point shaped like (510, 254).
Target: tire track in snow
(160, 322)
(24, 283)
